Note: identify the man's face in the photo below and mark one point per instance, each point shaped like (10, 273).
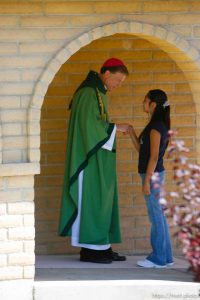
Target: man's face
(113, 80)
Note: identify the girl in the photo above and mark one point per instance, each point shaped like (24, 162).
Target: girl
(151, 145)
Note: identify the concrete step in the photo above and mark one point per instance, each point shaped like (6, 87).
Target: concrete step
(115, 290)
(65, 277)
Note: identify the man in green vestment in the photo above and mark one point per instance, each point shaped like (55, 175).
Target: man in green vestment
(89, 208)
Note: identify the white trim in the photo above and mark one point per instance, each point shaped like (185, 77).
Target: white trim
(76, 225)
(109, 144)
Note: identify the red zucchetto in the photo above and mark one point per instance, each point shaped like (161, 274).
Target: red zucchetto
(113, 62)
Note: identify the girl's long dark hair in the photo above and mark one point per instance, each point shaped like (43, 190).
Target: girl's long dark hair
(162, 109)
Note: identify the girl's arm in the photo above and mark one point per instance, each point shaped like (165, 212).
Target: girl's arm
(134, 139)
(153, 159)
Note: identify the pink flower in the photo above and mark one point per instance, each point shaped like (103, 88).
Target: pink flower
(185, 217)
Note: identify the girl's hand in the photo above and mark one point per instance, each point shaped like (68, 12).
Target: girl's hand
(146, 188)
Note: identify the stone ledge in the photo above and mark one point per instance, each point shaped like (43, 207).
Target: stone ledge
(19, 169)
(115, 289)
(16, 289)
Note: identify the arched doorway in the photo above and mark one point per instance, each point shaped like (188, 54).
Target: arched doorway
(153, 62)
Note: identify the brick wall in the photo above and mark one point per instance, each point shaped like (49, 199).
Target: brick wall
(32, 36)
(17, 227)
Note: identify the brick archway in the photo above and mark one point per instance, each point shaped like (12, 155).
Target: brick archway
(186, 57)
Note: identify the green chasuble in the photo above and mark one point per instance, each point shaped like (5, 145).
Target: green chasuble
(89, 129)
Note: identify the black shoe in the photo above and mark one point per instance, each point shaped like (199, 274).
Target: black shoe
(115, 256)
(95, 256)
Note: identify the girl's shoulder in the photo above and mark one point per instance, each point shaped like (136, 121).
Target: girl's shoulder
(158, 123)
(159, 126)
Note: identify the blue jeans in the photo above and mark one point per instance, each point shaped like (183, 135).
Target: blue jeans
(160, 237)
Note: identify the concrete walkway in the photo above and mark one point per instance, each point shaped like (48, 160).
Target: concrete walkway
(69, 268)
(65, 277)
